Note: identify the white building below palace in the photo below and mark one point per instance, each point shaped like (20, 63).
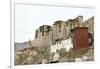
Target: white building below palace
(67, 44)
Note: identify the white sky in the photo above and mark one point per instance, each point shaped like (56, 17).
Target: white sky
(29, 17)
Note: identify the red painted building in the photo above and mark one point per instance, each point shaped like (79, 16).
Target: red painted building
(80, 38)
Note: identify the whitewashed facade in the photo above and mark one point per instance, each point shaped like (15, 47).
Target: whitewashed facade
(67, 44)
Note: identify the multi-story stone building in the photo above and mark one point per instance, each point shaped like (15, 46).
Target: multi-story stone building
(77, 22)
(43, 31)
(43, 35)
(62, 29)
(59, 31)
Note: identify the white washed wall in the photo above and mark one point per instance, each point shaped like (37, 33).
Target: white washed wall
(64, 44)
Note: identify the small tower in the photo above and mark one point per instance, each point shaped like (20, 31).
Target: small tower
(30, 44)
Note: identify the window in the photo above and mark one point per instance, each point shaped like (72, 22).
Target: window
(59, 27)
